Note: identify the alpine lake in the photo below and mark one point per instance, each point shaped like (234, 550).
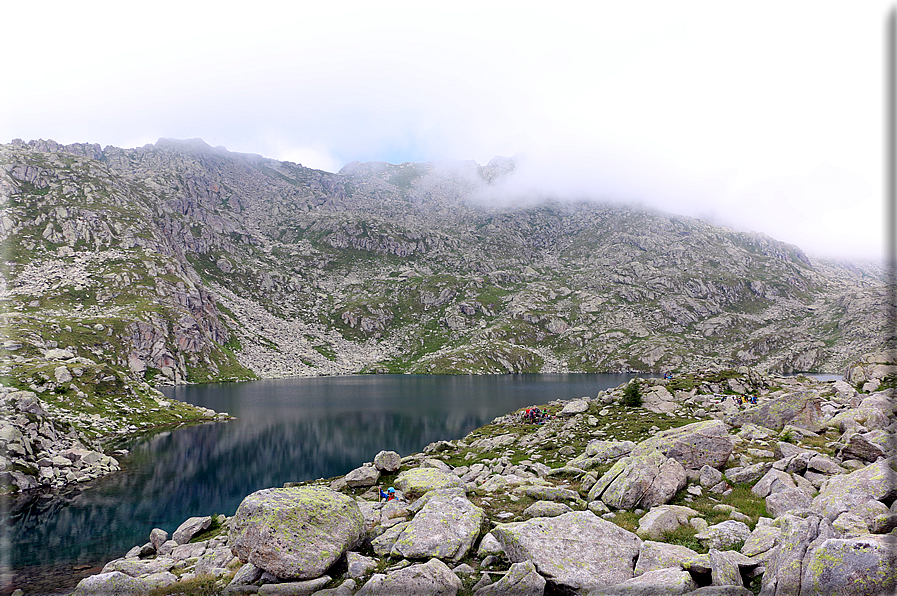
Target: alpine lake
(284, 430)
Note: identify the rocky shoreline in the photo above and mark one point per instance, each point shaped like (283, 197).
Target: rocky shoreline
(696, 491)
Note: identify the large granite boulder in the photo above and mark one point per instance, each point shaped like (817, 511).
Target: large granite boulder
(608, 450)
(847, 492)
(863, 566)
(575, 552)
(660, 555)
(295, 533)
(790, 499)
(114, 583)
(786, 565)
(693, 445)
(800, 408)
(445, 527)
(724, 535)
(190, 528)
(522, 579)
(387, 461)
(663, 519)
(417, 481)
(433, 578)
(643, 480)
(362, 476)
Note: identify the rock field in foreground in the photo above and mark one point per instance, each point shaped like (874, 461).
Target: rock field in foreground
(687, 494)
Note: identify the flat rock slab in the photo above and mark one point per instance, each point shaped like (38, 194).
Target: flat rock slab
(417, 481)
(693, 445)
(577, 551)
(295, 533)
(433, 578)
(546, 509)
(303, 588)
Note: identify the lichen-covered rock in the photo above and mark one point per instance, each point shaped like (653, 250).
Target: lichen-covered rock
(800, 408)
(295, 533)
(298, 588)
(662, 519)
(387, 461)
(660, 555)
(846, 492)
(724, 535)
(114, 583)
(577, 551)
(550, 493)
(417, 481)
(763, 539)
(445, 527)
(772, 482)
(433, 578)
(190, 528)
(863, 566)
(790, 499)
(362, 476)
(693, 445)
(522, 579)
(546, 509)
(642, 480)
(672, 580)
(608, 450)
(786, 565)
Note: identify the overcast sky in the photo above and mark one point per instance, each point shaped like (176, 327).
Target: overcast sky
(765, 116)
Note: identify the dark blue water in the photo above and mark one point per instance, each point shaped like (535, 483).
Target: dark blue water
(286, 430)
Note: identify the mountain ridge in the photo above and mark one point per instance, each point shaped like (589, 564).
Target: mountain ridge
(219, 261)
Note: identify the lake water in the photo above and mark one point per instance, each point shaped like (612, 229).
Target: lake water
(286, 430)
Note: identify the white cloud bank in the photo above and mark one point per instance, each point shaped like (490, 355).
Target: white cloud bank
(762, 115)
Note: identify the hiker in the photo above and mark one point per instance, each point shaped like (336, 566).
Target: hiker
(389, 495)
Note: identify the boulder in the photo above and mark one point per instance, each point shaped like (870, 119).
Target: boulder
(608, 450)
(784, 568)
(763, 539)
(643, 480)
(672, 580)
(114, 583)
(190, 528)
(693, 445)
(417, 481)
(550, 493)
(577, 551)
(445, 527)
(574, 407)
(157, 537)
(663, 519)
(295, 533)
(359, 565)
(387, 461)
(865, 566)
(790, 499)
(300, 588)
(846, 492)
(522, 579)
(433, 578)
(724, 535)
(861, 448)
(362, 477)
(709, 476)
(660, 555)
(546, 509)
(801, 408)
(772, 482)
(489, 545)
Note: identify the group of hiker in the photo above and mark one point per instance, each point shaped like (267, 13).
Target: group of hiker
(742, 399)
(535, 416)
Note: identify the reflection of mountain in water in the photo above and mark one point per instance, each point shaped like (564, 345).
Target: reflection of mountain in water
(210, 469)
(285, 431)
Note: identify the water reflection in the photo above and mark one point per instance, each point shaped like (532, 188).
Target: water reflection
(286, 430)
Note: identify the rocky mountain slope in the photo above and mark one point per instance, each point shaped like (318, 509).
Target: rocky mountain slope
(178, 262)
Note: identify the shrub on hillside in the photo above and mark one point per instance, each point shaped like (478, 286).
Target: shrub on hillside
(632, 396)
